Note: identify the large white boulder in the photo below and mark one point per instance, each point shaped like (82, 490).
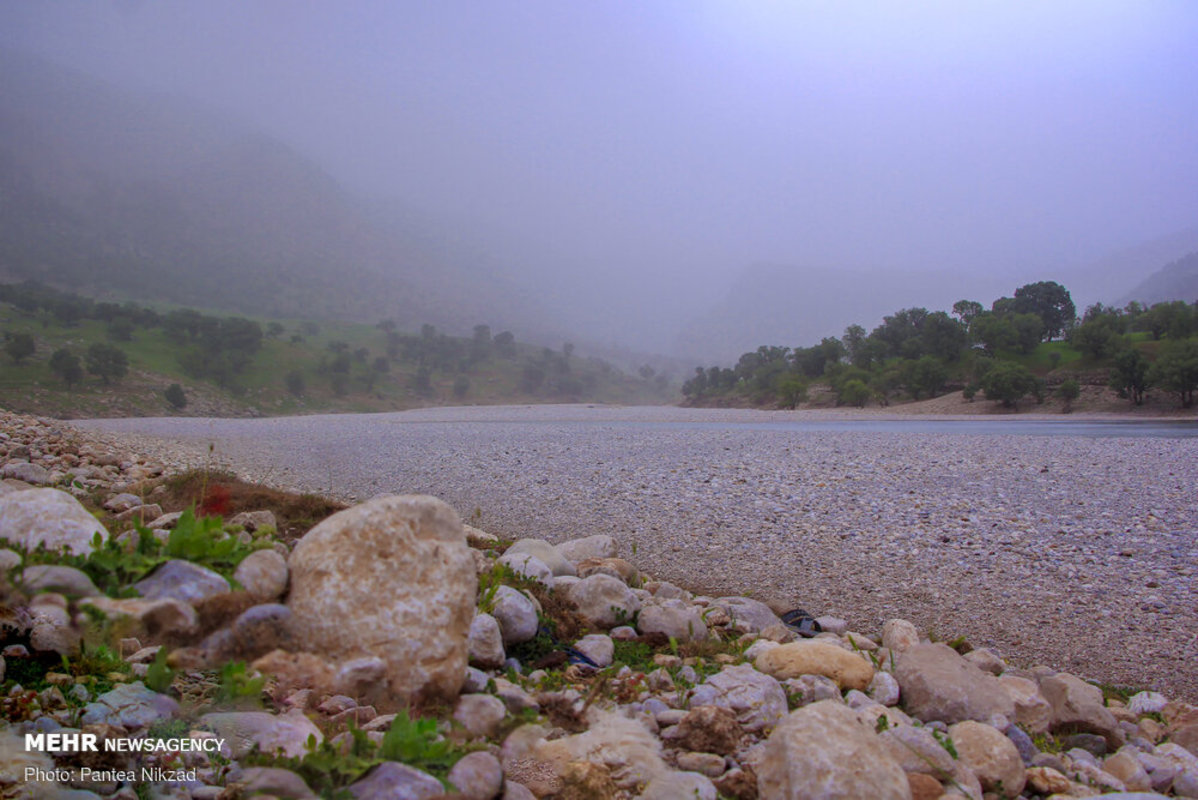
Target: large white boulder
(49, 517)
(824, 750)
(391, 578)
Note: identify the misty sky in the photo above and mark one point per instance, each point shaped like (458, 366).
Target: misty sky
(656, 142)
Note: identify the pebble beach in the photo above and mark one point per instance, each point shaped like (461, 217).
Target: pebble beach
(1075, 552)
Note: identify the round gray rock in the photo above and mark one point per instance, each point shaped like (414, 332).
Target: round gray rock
(50, 518)
(546, 552)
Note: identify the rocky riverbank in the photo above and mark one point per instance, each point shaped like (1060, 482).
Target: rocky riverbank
(1072, 551)
(391, 651)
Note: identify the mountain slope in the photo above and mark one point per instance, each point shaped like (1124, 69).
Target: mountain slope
(789, 306)
(1175, 281)
(155, 199)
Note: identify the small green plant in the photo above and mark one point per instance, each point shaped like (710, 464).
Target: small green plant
(1047, 743)
(159, 676)
(417, 742)
(637, 656)
(328, 769)
(500, 575)
(624, 618)
(946, 743)
(535, 648)
(174, 728)
(883, 724)
(114, 568)
(238, 687)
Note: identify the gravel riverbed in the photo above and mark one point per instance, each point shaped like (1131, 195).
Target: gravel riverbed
(1071, 551)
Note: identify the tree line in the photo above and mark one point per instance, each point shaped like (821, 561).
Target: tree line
(224, 349)
(915, 354)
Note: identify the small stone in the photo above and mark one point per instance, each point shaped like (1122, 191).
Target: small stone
(394, 780)
(884, 689)
(513, 697)
(899, 635)
(991, 756)
(260, 629)
(757, 700)
(476, 681)
(49, 518)
(34, 474)
(675, 785)
(598, 546)
(986, 660)
(359, 677)
(263, 573)
(53, 631)
(706, 763)
(140, 514)
(480, 714)
(1127, 769)
(477, 776)
(708, 729)
(486, 642)
(812, 657)
(938, 684)
(1032, 710)
(543, 551)
(336, 704)
(598, 648)
(824, 750)
(756, 615)
(1092, 743)
(9, 559)
(63, 580)
(834, 625)
(182, 580)
(604, 601)
(1023, 744)
(923, 786)
(529, 566)
(673, 618)
(287, 733)
(1077, 706)
(1143, 703)
(166, 521)
(122, 502)
(131, 706)
(616, 568)
(516, 615)
(274, 781)
(1047, 781)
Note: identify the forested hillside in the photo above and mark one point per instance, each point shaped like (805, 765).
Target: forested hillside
(69, 355)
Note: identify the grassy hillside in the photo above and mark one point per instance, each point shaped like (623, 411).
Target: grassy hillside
(287, 366)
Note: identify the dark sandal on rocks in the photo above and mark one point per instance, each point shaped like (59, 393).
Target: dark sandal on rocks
(801, 623)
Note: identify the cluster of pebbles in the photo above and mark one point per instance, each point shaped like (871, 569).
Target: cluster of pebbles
(726, 699)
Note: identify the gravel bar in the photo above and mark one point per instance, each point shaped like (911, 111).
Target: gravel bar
(1073, 551)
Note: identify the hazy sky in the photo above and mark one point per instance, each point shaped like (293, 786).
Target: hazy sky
(668, 141)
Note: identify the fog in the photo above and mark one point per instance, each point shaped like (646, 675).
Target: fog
(633, 165)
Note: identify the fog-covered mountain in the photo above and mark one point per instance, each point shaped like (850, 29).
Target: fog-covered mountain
(789, 306)
(793, 306)
(116, 194)
(1175, 281)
